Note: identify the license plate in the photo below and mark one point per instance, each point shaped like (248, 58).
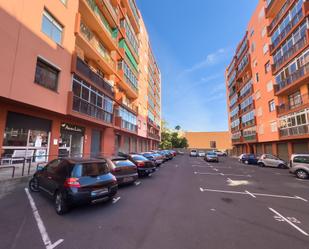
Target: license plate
(127, 179)
(99, 192)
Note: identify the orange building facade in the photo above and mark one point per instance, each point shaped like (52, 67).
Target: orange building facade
(73, 79)
(268, 80)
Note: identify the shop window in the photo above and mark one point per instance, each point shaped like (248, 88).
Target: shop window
(46, 75)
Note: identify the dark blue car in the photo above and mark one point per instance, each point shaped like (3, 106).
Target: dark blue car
(249, 159)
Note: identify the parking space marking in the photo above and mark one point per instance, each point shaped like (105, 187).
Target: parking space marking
(222, 174)
(288, 221)
(46, 240)
(255, 194)
(303, 199)
(115, 200)
(137, 183)
(250, 194)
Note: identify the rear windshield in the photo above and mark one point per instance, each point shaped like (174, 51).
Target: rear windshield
(123, 163)
(193, 150)
(89, 169)
(301, 159)
(211, 154)
(139, 158)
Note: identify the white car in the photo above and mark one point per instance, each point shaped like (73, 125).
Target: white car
(220, 153)
(201, 153)
(240, 157)
(193, 153)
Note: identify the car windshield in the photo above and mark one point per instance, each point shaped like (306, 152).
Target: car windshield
(211, 154)
(122, 163)
(139, 158)
(90, 169)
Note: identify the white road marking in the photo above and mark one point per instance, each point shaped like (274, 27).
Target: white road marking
(216, 170)
(203, 173)
(301, 198)
(250, 194)
(255, 194)
(288, 221)
(115, 200)
(137, 183)
(201, 166)
(46, 240)
(234, 183)
(176, 165)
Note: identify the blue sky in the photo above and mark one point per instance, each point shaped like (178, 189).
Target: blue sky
(193, 42)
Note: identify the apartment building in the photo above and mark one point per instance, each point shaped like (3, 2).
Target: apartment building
(73, 79)
(267, 81)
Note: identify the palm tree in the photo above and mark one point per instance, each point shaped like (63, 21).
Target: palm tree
(177, 128)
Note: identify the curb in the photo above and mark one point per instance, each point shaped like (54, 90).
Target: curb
(8, 186)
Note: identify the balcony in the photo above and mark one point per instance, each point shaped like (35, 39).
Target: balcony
(248, 124)
(94, 49)
(286, 107)
(113, 12)
(297, 131)
(125, 82)
(84, 71)
(251, 138)
(82, 109)
(293, 81)
(154, 136)
(243, 66)
(96, 18)
(125, 126)
(287, 30)
(247, 108)
(290, 53)
(130, 37)
(132, 14)
(279, 16)
(273, 7)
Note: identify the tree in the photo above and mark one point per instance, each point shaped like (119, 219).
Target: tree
(177, 128)
(171, 139)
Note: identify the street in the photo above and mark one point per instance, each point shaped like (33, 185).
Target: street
(186, 204)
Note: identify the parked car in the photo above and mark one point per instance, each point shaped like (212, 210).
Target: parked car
(123, 169)
(156, 158)
(201, 153)
(241, 157)
(193, 153)
(211, 157)
(168, 154)
(249, 159)
(74, 181)
(220, 153)
(271, 161)
(144, 166)
(173, 153)
(299, 165)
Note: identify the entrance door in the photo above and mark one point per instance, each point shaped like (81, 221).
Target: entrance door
(77, 145)
(95, 143)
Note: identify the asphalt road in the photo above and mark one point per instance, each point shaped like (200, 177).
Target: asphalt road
(187, 204)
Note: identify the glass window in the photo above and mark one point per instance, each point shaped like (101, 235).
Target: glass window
(301, 159)
(51, 27)
(272, 106)
(46, 75)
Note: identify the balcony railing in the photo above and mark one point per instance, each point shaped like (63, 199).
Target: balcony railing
(154, 136)
(279, 15)
(295, 131)
(249, 123)
(250, 138)
(287, 29)
(291, 51)
(247, 108)
(134, 10)
(243, 64)
(85, 70)
(287, 106)
(86, 108)
(299, 73)
(96, 44)
(128, 126)
(111, 8)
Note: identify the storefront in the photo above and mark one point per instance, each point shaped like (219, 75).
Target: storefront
(26, 136)
(71, 141)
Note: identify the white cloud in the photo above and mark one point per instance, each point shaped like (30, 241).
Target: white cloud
(211, 59)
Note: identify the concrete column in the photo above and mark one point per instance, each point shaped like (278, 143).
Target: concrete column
(274, 149)
(254, 149)
(3, 115)
(290, 149)
(87, 142)
(55, 135)
(108, 142)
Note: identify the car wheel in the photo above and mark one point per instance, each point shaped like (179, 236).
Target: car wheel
(34, 185)
(61, 205)
(246, 162)
(261, 165)
(282, 166)
(301, 174)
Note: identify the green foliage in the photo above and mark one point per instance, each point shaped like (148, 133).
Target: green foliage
(171, 139)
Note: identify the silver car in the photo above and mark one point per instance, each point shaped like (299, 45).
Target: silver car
(271, 161)
(299, 165)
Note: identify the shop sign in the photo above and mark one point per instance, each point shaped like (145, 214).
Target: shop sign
(40, 156)
(73, 128)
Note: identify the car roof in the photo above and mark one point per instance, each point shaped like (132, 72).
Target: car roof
(75, 160)
(294, 155)
(116, 158)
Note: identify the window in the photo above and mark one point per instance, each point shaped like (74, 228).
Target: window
(272, 106)
(213, 144)
(273, 127)
(264, 31)
(46, 75)
(267, 67)
(265, 48)
(301, 159)
(252, 47)
(257, 77)
(269, 86)
(251, 32)
(295, 100)
(52, 166)
(51, 27)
